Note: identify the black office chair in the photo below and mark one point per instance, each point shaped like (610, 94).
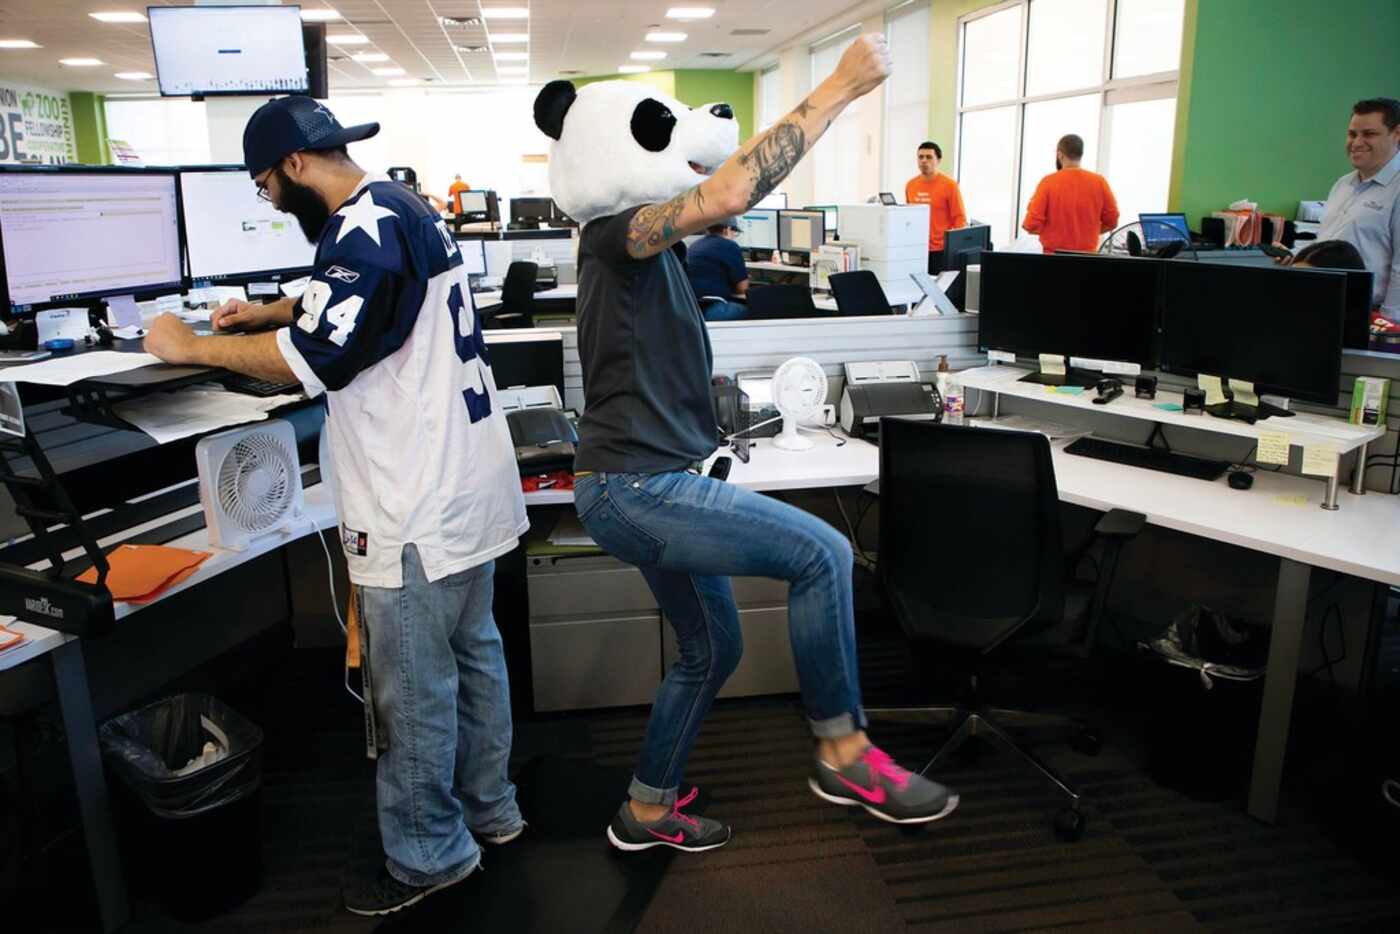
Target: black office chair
(781, 301)
(992, 495)
(859, 293)
(517, 298)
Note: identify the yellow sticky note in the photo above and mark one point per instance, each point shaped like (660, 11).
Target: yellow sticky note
(1291, 500)
(1320, 460)
(1273, 448)
(1211, 385)
(1052, 364)
(1244, 393)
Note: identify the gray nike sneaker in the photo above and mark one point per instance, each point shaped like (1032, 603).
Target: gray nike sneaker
(877, 784)
(681, 831)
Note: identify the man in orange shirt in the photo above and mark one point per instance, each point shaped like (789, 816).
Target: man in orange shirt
(456, 188)
(944, 200)
(1071, 208)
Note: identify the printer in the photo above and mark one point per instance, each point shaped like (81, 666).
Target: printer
(879, 388)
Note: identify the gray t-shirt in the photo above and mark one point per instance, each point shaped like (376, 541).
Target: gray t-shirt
(646, 358)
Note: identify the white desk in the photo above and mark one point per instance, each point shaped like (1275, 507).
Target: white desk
(779, 267)
(559, 293)
(1301, 428)
(74, 696)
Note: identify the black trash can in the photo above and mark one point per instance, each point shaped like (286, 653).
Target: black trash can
(1206, 694)
(188, 802)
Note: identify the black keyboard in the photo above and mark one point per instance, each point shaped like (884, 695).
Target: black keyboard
(253, 386)
(1150, 458)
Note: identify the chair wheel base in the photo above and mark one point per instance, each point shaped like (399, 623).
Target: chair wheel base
(1070, 825)
(1086, 742)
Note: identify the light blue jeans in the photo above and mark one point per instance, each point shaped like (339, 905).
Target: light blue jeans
(688, 535)
(439, 683)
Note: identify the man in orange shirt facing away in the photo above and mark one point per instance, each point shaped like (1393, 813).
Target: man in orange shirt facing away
(1072, 207)
(944, 200)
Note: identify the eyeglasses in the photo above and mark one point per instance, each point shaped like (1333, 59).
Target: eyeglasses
(263, 194)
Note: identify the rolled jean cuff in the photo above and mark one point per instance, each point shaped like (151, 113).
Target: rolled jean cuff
(837, 727)
(640, 791)
(421, 880)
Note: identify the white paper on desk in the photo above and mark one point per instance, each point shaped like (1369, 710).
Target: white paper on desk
(1244, 393)
(294, 288)
(64, 371)
(1052, 364)
(1210, 385)
(1272, 448)
(568, 531)
(1320, 460)
(62, 324)
(122, 311)
(174, 415)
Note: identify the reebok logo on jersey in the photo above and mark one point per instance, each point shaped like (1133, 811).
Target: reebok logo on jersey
(355, 543)
(343, 274)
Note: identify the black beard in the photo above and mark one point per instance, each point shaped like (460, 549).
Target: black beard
(303, 203)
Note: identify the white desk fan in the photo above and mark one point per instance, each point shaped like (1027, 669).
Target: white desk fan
(249, 482)
(799, 389)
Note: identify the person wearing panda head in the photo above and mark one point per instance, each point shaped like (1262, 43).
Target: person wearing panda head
(640, 171)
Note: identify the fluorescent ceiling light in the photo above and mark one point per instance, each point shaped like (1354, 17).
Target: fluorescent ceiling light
(388, 72)
(348, 39)
(506, 12)
(690, 12)
(403, 83)
(512, 56)
(509, 37)
(80, 62)
(118, 16)
(324, 15)
(366, 57)
(648, 56)
(666, 37)
(633, 69)
(19, 44)
(134, 76)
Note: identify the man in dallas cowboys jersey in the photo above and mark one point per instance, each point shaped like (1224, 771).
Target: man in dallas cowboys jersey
(424, 477)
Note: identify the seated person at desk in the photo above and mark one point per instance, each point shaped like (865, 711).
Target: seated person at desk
(627, 163)
(716, 269)
(425, 485)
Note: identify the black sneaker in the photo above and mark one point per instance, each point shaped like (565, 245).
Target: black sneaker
(877, 784)
(677, 830)
(500, 838)
(384, 894)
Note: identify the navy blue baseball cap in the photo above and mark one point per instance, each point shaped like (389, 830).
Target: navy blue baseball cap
(286, 125)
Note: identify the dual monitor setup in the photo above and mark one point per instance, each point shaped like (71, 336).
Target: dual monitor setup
(763, 230)
(1281, 329)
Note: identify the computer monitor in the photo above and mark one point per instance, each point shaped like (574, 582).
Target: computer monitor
(233, 236)
(531, 210)
(832, 216)
(527, 358)
(1101, 308)
(801, 231)
(1160, 229)
(1280, 329)
(777, 201)
(69, 236)
(202, 51)
(473, 256)
(479, 206)
(758, 229)
(1356, 330)
(963, 247)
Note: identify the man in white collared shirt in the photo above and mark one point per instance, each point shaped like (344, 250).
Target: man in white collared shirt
(1363, 208)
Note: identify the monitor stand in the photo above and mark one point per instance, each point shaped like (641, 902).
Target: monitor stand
(1071, 377)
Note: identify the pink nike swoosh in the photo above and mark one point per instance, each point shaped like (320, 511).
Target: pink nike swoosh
(874, 795)
(680, 835)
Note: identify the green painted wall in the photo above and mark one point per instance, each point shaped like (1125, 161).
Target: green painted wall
(1265, 111)
(89, 126)
(698, 86)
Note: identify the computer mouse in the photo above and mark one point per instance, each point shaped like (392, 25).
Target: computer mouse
(1240, 480)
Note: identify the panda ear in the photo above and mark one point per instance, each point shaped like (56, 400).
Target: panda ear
(551, 105)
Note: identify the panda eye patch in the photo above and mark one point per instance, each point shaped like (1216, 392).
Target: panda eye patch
(652, 125)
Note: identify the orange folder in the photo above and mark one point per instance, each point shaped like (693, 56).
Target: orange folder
(140, 573)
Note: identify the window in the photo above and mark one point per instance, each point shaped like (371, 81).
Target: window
(837, 156)
(769, 94)
(907, 95)
(1034, 70)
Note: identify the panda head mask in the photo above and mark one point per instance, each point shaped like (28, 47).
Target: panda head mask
(619, 144)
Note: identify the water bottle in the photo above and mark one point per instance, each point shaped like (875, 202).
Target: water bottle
(953, 401)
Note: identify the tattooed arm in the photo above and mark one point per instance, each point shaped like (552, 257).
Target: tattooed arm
(762, 163)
